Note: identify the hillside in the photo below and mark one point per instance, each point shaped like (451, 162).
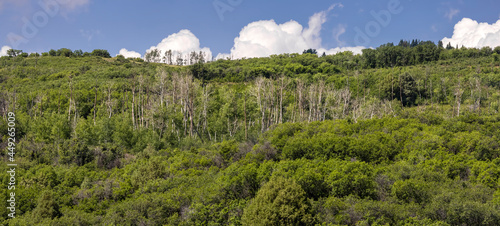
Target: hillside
(404, 134)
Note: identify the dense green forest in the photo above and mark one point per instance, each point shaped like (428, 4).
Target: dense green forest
(402, 134)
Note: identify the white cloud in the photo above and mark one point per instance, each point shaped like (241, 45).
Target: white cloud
(129, 54)
(182, 42)
(312, 33)
(355, 50)
(3, 50)
(451, 13)
(223, 56)
(339, 5)
(470, 33)
(266, 37)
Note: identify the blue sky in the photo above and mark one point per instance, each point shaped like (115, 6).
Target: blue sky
(139, 25)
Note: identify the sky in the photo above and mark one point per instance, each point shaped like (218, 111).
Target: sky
(242, 28)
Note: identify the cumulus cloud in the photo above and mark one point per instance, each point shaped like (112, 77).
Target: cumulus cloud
(470, 33)
(3, 50)
(181, 43)
(451, 13)
(129, 54)
(266, 37)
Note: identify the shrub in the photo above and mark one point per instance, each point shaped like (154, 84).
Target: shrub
(279, 202)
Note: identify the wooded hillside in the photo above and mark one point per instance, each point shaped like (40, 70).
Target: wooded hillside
(401, 134)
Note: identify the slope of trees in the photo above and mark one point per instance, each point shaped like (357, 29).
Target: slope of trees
(402, 134)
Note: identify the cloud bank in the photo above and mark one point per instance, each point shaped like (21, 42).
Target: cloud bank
(129, 54)
(181, 43)
(266, 37)
(470, 33)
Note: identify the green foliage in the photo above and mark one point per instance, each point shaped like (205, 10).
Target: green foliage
(400, 135)
(410, 191)
(100, 53)
(47, 207)
(148, 209)
(239, 182)
(354, 178)
(279, 202)
(64, 52)
(311, 51)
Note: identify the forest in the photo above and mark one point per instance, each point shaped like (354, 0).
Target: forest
(402, 134)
